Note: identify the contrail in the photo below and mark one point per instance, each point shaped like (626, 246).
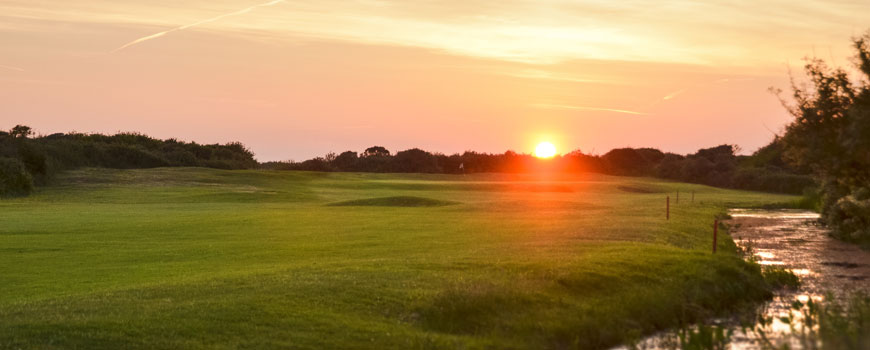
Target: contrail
(157, 35)
(673, 94)
(12, 68)
(544, 105)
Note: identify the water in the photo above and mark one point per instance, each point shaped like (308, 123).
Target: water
(793, 240)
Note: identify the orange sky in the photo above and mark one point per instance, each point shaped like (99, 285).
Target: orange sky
(297, 79)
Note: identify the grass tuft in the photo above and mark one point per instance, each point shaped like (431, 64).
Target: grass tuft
(778, 277)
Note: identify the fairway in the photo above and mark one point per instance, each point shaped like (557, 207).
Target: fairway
(175, 258)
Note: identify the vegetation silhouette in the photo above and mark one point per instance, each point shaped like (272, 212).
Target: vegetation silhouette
(26, 161)
(830, 136)
(720, 166)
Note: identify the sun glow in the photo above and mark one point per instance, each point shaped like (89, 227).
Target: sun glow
(545, 150)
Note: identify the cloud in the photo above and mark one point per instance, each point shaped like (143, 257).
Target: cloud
(216, 18)
(546, 75)
(585, 108)
(708, 32)
(703, 86)
(12, 68)
(674, 94)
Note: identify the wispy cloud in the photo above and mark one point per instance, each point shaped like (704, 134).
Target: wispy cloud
(673, 94)
(525, 31)
(186, 26)
(12, 68)
(587, 108)
(547, 75)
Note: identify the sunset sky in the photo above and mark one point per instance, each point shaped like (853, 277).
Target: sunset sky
(297, 79)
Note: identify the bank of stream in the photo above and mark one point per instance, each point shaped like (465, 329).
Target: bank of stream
(793, 240)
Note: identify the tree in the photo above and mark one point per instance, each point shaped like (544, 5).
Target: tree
(376, 151)
(626, 161)
(346, 161)
(831, 136)
(21, 131)
(415, 160)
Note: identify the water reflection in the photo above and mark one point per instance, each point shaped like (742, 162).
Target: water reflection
(790, 239)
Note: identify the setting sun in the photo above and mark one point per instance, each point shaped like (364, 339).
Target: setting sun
(545, 150)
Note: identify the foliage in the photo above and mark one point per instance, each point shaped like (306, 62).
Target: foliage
(704, 337)
(779, 277)
(14, 178)
(716, 166)
(40, 158)
(21, 131)
(833, 324)
(831, 136)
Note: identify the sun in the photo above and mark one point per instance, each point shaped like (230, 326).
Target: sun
(545, 150)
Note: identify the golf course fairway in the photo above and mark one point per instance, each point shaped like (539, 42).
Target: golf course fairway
(188, 258)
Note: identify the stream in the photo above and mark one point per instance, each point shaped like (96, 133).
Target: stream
(794, 240)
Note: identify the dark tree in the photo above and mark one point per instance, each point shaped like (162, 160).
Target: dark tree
(346, 161)
(626, 161)
(376, 151)
(414, 160)
(21, 131)
(831, 136)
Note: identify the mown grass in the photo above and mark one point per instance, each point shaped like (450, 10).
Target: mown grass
(199, 258)
(394, 201)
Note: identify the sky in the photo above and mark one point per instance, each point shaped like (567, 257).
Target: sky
(298, 79)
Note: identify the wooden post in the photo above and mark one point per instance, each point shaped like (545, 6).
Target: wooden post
(668, 209)
(693, 196)
(715, 233)
(678, 196)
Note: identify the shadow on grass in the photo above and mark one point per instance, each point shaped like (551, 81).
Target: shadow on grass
(395, 201)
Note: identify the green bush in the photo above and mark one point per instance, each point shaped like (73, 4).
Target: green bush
(14, 178)
(34, 160)
(849, 216)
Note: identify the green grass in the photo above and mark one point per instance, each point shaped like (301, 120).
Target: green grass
(395, 201)
(199, 258)
(779, 277)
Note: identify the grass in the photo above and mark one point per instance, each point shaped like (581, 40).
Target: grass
(779, 277)
(832, 324)
(200, 258)
(395, 201)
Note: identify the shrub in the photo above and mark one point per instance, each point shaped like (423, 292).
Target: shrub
(849, 216)
(14, 178)
(34, 160)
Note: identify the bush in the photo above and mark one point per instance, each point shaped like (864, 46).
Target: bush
(849, 217)
(34, 160)
(414, 160)
(14, 178)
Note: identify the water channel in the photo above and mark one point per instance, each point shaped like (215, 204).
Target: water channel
(792, 239)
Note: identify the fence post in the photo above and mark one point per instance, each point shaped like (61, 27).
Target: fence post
(715, 233)
(668, 209)
(693, 196)
(678, 196)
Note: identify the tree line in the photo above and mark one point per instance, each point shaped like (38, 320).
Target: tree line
(721, 166)
(27, 161)
(824, 153)
(827, 145)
